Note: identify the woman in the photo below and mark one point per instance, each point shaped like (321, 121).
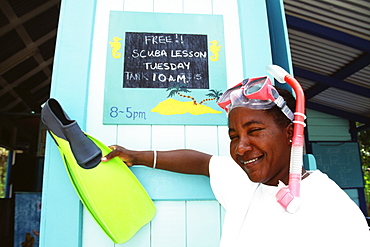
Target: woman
(261, 130)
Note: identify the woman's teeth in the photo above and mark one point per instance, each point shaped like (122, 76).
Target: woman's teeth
(249, 161)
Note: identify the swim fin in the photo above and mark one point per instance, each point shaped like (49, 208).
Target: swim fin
(109, 191)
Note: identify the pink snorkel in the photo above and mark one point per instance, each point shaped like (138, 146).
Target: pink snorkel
(289, 196)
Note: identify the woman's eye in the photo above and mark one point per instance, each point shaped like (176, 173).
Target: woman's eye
(233, 137)
(255, 130)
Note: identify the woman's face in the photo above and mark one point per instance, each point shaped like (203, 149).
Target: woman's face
(260, 146)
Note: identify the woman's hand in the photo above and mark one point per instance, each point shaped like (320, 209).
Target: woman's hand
(124, 154)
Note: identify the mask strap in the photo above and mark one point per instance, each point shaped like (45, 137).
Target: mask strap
(280, 102)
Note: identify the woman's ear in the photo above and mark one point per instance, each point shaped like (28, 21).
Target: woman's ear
(289, 131)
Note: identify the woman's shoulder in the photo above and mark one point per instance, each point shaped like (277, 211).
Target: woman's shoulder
(224, 165)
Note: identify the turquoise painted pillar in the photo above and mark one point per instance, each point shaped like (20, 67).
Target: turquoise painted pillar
(279, 34)
(279, 39)
(255, 37)
(264, 37)
(61, 209)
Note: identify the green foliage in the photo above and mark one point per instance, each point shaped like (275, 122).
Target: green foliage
(177, 88)
(364, 141)
(214, 94)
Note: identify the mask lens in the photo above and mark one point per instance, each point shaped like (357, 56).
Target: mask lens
(257, 89)
(253, 88)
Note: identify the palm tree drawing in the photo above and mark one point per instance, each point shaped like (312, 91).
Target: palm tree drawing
(214, 95)
(176, 88)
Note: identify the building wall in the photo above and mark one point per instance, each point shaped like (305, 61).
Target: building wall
(177, 220)
(325, 127)
(328, 128)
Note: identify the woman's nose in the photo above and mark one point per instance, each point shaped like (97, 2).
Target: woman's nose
(243, 146)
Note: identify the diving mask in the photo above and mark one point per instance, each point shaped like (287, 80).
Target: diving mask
(255, 93)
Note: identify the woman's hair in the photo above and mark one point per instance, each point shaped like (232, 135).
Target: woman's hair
(276, 112)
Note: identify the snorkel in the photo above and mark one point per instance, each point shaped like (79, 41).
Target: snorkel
(289, 196)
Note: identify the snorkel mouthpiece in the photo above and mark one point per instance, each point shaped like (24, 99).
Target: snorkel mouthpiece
(277, 72)
(289, 196)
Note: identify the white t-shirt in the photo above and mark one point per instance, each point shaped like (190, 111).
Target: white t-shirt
(253, 217)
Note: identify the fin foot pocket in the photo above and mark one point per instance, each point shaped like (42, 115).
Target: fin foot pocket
(86, 153)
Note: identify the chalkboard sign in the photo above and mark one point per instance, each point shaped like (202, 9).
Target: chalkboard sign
(157, 60)
(341, 161)
(164, 68)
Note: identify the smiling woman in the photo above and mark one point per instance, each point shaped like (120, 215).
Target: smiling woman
(247, 183)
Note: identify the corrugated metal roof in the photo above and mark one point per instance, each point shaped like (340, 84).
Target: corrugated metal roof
(352, 17)
(361, 77)
(319, 55)
(330, 48)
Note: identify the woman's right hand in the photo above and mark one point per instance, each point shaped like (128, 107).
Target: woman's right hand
(124, 154)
